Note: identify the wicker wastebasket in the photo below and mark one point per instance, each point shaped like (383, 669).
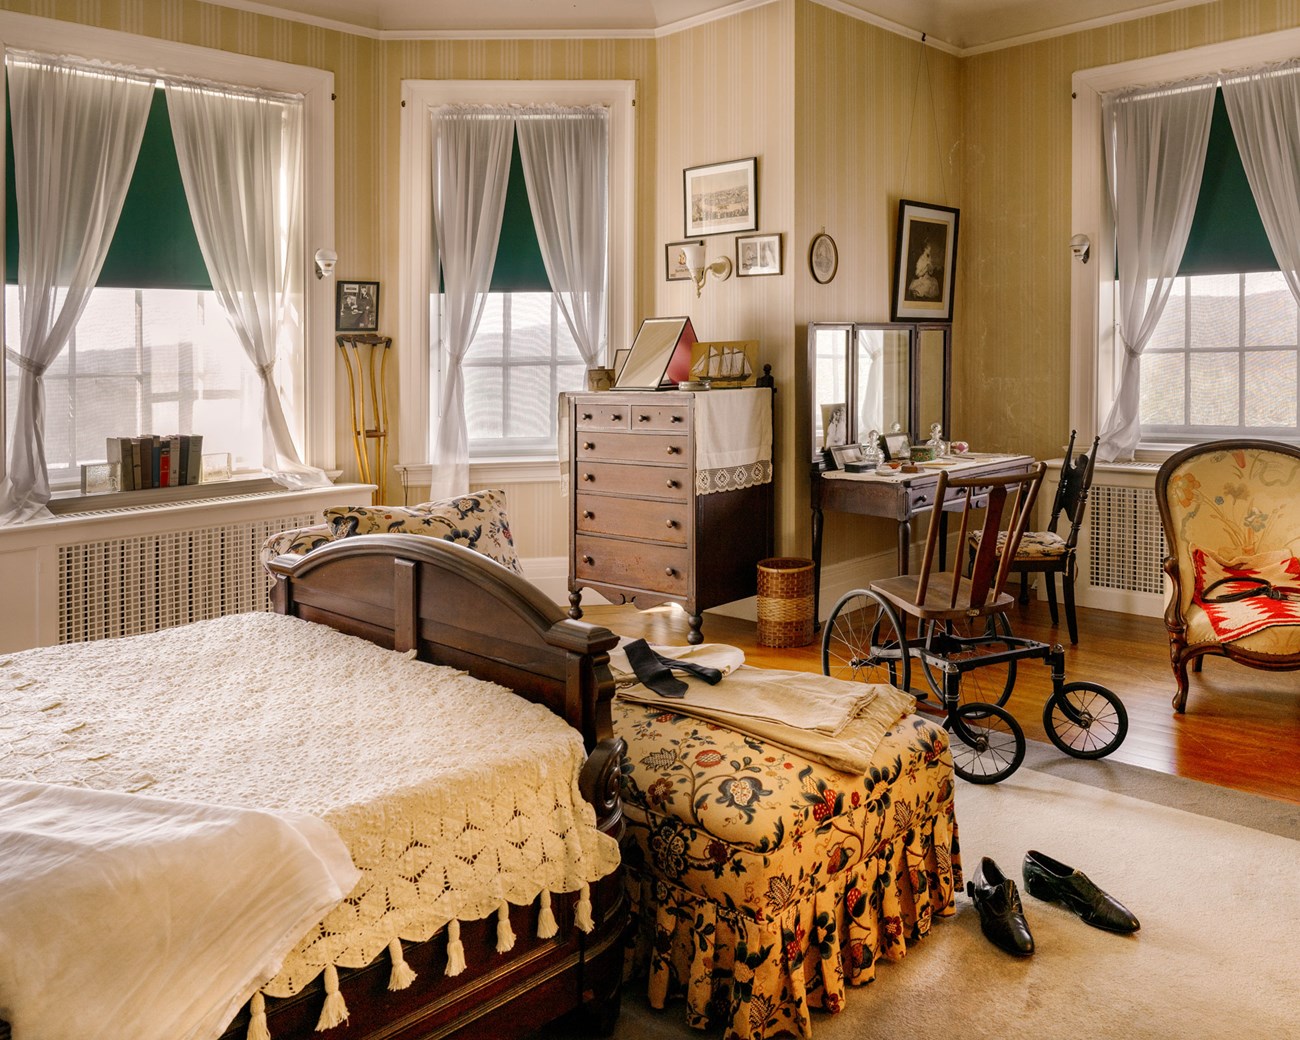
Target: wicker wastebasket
(785, 602)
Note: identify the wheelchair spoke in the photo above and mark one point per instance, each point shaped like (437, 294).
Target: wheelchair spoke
(863, 642)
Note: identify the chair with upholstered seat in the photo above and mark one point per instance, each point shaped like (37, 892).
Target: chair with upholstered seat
(1231, 517)
(1049, 553)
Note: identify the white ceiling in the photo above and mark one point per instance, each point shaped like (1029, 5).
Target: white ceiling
(960, 24)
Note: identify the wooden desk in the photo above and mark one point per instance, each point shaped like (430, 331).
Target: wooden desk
(898, 498)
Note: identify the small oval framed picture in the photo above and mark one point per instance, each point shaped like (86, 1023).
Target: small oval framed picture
(823, 258)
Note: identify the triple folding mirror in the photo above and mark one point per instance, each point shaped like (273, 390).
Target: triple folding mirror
(660, 355)
(866, 377)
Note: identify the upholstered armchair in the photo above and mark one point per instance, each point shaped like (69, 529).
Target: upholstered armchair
(1231, 516)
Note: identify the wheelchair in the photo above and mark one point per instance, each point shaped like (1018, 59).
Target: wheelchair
(962, 643)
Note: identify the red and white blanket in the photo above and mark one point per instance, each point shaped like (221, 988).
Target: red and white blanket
(1243, 617)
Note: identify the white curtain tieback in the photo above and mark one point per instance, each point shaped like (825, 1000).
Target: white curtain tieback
(25, 363)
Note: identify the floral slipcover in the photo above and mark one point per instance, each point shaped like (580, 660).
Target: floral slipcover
(1239, 505)
(763, 882)
(477, 520)
(1034, 545)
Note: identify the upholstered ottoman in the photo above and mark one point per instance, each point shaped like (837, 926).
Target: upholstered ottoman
(763, 881)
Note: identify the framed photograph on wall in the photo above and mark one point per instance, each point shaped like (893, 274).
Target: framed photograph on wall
(758, 254)
(925, 263)
(721, 197)
(675, 260)
(356, 307)
(823, 258)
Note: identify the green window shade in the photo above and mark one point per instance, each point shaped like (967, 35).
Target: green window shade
(519, 266)
(1227, 235)
(154, 245)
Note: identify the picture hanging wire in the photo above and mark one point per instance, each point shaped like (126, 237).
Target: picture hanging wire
(924, 67)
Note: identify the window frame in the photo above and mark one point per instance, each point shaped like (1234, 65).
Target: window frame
(1095, 355)
(417, 267)
(313, 421)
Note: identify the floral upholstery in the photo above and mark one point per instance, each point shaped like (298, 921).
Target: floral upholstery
(1237, 503)
(764, 882)
(296, 542)
(1034, 545)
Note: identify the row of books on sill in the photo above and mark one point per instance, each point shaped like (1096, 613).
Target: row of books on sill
(151, 461)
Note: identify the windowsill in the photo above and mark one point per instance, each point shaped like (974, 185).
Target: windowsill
(532, 470)
(64, 503)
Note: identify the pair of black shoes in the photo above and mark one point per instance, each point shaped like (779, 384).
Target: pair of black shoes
(1002, 917)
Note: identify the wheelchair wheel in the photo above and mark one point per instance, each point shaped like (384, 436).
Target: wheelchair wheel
(863, 641)
(1095, 724)
(988, 743)
(989, 683)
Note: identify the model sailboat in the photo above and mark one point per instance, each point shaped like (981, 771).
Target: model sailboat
(723, 363)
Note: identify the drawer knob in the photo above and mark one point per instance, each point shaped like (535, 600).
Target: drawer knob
(673, 484)
(587, 514)
(586, 416)
(615, 418)
(643, 418)
(674, 451)
(670, 572)
(587, 445)
(589, 477)
(676, 418)
(670, 523)
(921, 500)
(587, 559)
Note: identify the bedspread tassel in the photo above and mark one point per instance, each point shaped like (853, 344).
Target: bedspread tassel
(402, 975)
(257, 1027)
(546, 926)
(335, 1011)
(455, 951)
(582, 916)
(505, 934)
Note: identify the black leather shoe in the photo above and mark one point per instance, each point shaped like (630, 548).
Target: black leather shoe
(1049, 879)
(1002, 918)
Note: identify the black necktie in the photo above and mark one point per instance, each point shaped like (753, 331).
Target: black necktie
(656, 671)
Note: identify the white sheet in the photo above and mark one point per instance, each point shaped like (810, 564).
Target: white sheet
(733, 428)
(123, 916)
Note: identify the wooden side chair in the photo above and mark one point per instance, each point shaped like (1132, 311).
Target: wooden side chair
(1049, 553)
(1231, 516)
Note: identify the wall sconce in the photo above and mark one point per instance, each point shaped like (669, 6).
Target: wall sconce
(693, 257)
(325, 261)
(1080, 247)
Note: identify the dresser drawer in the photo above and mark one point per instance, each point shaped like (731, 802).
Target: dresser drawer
(634, 565)
(672, 418)
(588, 416)
(634, 518)
(647, 481)
(632, 447)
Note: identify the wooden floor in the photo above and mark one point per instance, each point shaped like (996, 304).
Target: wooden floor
(1241, 728)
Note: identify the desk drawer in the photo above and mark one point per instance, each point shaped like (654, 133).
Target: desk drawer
(589, 416)
(669, 449)
(633, 565)
(635, 518)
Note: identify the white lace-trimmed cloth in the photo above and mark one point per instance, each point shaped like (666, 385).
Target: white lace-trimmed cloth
(454, 796)
(733, 439)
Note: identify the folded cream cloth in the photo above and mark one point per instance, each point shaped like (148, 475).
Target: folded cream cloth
(831, 720)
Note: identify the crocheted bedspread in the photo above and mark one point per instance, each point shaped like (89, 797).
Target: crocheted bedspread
(453, 795)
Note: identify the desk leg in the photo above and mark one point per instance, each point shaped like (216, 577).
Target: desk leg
(817, 520)
(904, 545)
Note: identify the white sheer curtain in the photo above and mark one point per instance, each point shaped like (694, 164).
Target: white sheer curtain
(1155, 154)
(565, 156)
(471, 167)
(1264, 108)
(241, 158)
(77, 133)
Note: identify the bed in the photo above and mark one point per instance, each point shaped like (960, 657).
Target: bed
(437, 603)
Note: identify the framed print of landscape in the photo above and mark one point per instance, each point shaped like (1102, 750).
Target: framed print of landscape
(721, 197)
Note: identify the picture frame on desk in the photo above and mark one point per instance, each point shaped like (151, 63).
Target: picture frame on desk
(896, 446)
(845, 455)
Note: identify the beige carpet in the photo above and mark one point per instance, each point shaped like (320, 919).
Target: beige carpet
(1218, 955)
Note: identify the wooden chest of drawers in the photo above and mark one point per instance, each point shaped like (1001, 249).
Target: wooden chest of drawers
(640, 530)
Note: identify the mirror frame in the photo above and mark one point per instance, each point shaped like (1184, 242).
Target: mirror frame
(668, 361)
(914, 419)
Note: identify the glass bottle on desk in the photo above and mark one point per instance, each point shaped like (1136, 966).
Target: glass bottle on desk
(936, 443)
